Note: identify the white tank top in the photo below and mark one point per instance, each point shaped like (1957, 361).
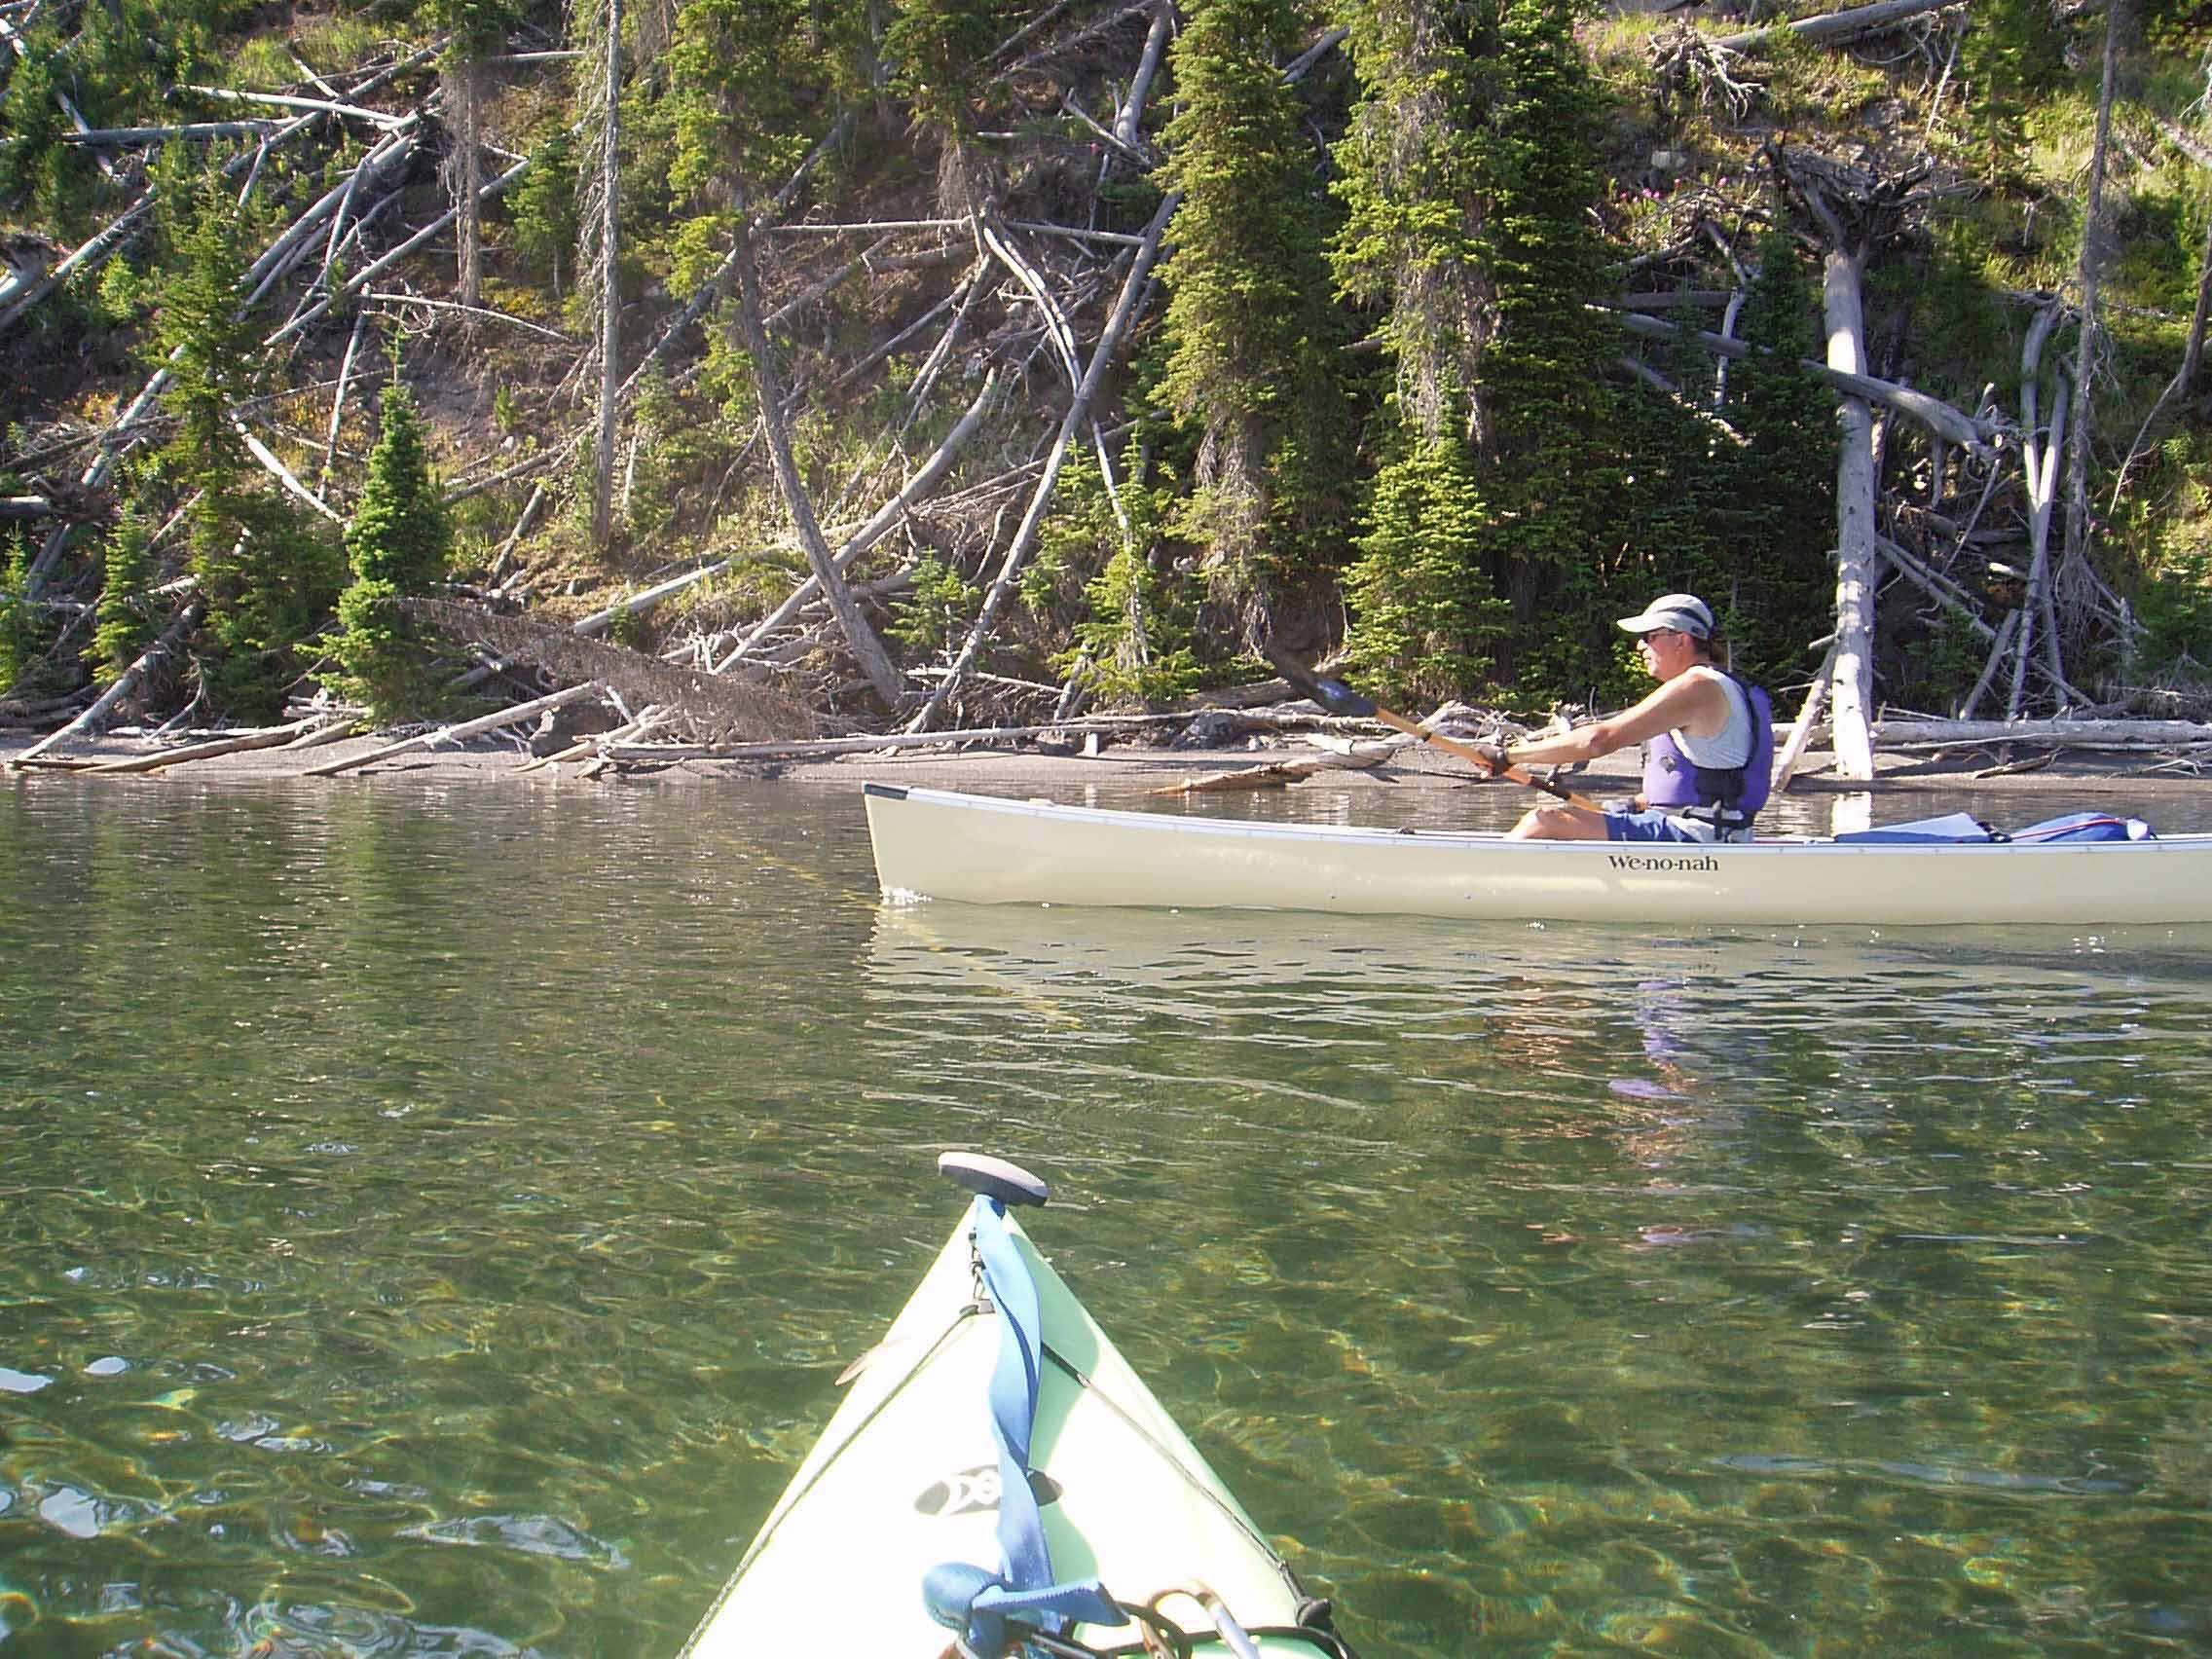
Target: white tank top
(1729, 747)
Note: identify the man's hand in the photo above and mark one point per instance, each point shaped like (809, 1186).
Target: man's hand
(1493, 757)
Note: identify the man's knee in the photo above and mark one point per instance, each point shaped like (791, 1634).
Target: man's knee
(1554, 824)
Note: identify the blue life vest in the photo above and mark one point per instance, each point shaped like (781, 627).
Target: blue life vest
(1735, 794)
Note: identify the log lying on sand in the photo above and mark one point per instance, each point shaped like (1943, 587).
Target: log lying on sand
(1334, 755)
(172, 636)
(270, 737)
(454, 733)
(2133, 734)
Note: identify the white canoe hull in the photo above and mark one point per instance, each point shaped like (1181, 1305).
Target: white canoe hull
(906, 1476)
(976, 849)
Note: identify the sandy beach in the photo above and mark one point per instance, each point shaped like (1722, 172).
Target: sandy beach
(2092, 776)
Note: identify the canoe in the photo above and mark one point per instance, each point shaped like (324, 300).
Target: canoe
(984, 850)
(895, 1540)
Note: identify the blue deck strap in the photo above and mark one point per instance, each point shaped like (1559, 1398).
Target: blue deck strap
(965, 1598)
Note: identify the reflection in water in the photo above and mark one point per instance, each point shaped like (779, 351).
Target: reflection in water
(1643, 1233)
(435, 1221)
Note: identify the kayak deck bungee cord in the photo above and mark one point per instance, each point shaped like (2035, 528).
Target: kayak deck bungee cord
(999, 1482)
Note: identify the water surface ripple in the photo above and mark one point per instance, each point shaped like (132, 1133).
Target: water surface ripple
(435, 1221)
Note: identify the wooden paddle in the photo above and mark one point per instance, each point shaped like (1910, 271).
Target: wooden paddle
(1338, 698)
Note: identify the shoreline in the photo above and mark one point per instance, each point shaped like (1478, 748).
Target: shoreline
(2087, 774)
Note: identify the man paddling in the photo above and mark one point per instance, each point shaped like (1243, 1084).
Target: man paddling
(1709, 741)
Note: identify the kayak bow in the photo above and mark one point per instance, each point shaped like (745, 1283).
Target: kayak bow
(999, 1482)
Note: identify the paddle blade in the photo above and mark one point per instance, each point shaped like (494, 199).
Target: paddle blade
(1333, 696)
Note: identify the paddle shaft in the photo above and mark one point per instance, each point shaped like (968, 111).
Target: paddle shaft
(1464, 753)
(1338, 698)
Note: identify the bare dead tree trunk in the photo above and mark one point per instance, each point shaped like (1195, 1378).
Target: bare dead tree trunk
(602, 91)
(464, 169)
(1853, 676)
(2096, 239)
(1102, 358)
(875, 662)
(2039, 459)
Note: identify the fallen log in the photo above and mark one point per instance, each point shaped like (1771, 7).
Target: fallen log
(454, 733)
(1950, 424)
(877, 527)
(1833, 27)
(820, 747)
(269, 737)
(1104, 354)
(125, 684)
(2116, 734)
(653, 714)
(1335, 755)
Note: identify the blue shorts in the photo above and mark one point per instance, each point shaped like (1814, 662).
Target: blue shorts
(1653, 824)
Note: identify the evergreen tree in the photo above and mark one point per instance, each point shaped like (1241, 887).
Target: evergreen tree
(1776, 512)
(123, 624)
(36, 169)
(754, 84)
(22, 638)
(1550, 459)
(1254, 353)
(1469, 175)
(1410, 175)
(265, 578)
(475, 30)
(1425, 622)
(938, 52)
(397, 545)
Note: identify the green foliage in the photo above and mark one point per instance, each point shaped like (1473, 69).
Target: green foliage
(38, 175)
(935, 609)
(2175, 607)
(1475, 152)
(753, 84)
(1409, 173)
(684, 453)
(1550, 461)
(542, 209)
(23, 631)
(1254, 356)
(1425, 623)
(1136, 645)
(938, 51)
(1133, 627)
(2012, 54)
(123, 623)
(398, 545)
(267, 576)
(1773, 522)
(475, 29)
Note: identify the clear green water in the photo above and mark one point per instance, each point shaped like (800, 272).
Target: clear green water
(434, 1220)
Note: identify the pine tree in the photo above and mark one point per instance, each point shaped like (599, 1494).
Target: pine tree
(1550, 459)
(1425, 622)
(1468, 175)
(1253, 361)
(1777, 497)
(475, 30)
(397, 544)
(1410, 175)
(36, 171)
(266, 577)
(123, 624)
(938, 52)
(22, 638)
